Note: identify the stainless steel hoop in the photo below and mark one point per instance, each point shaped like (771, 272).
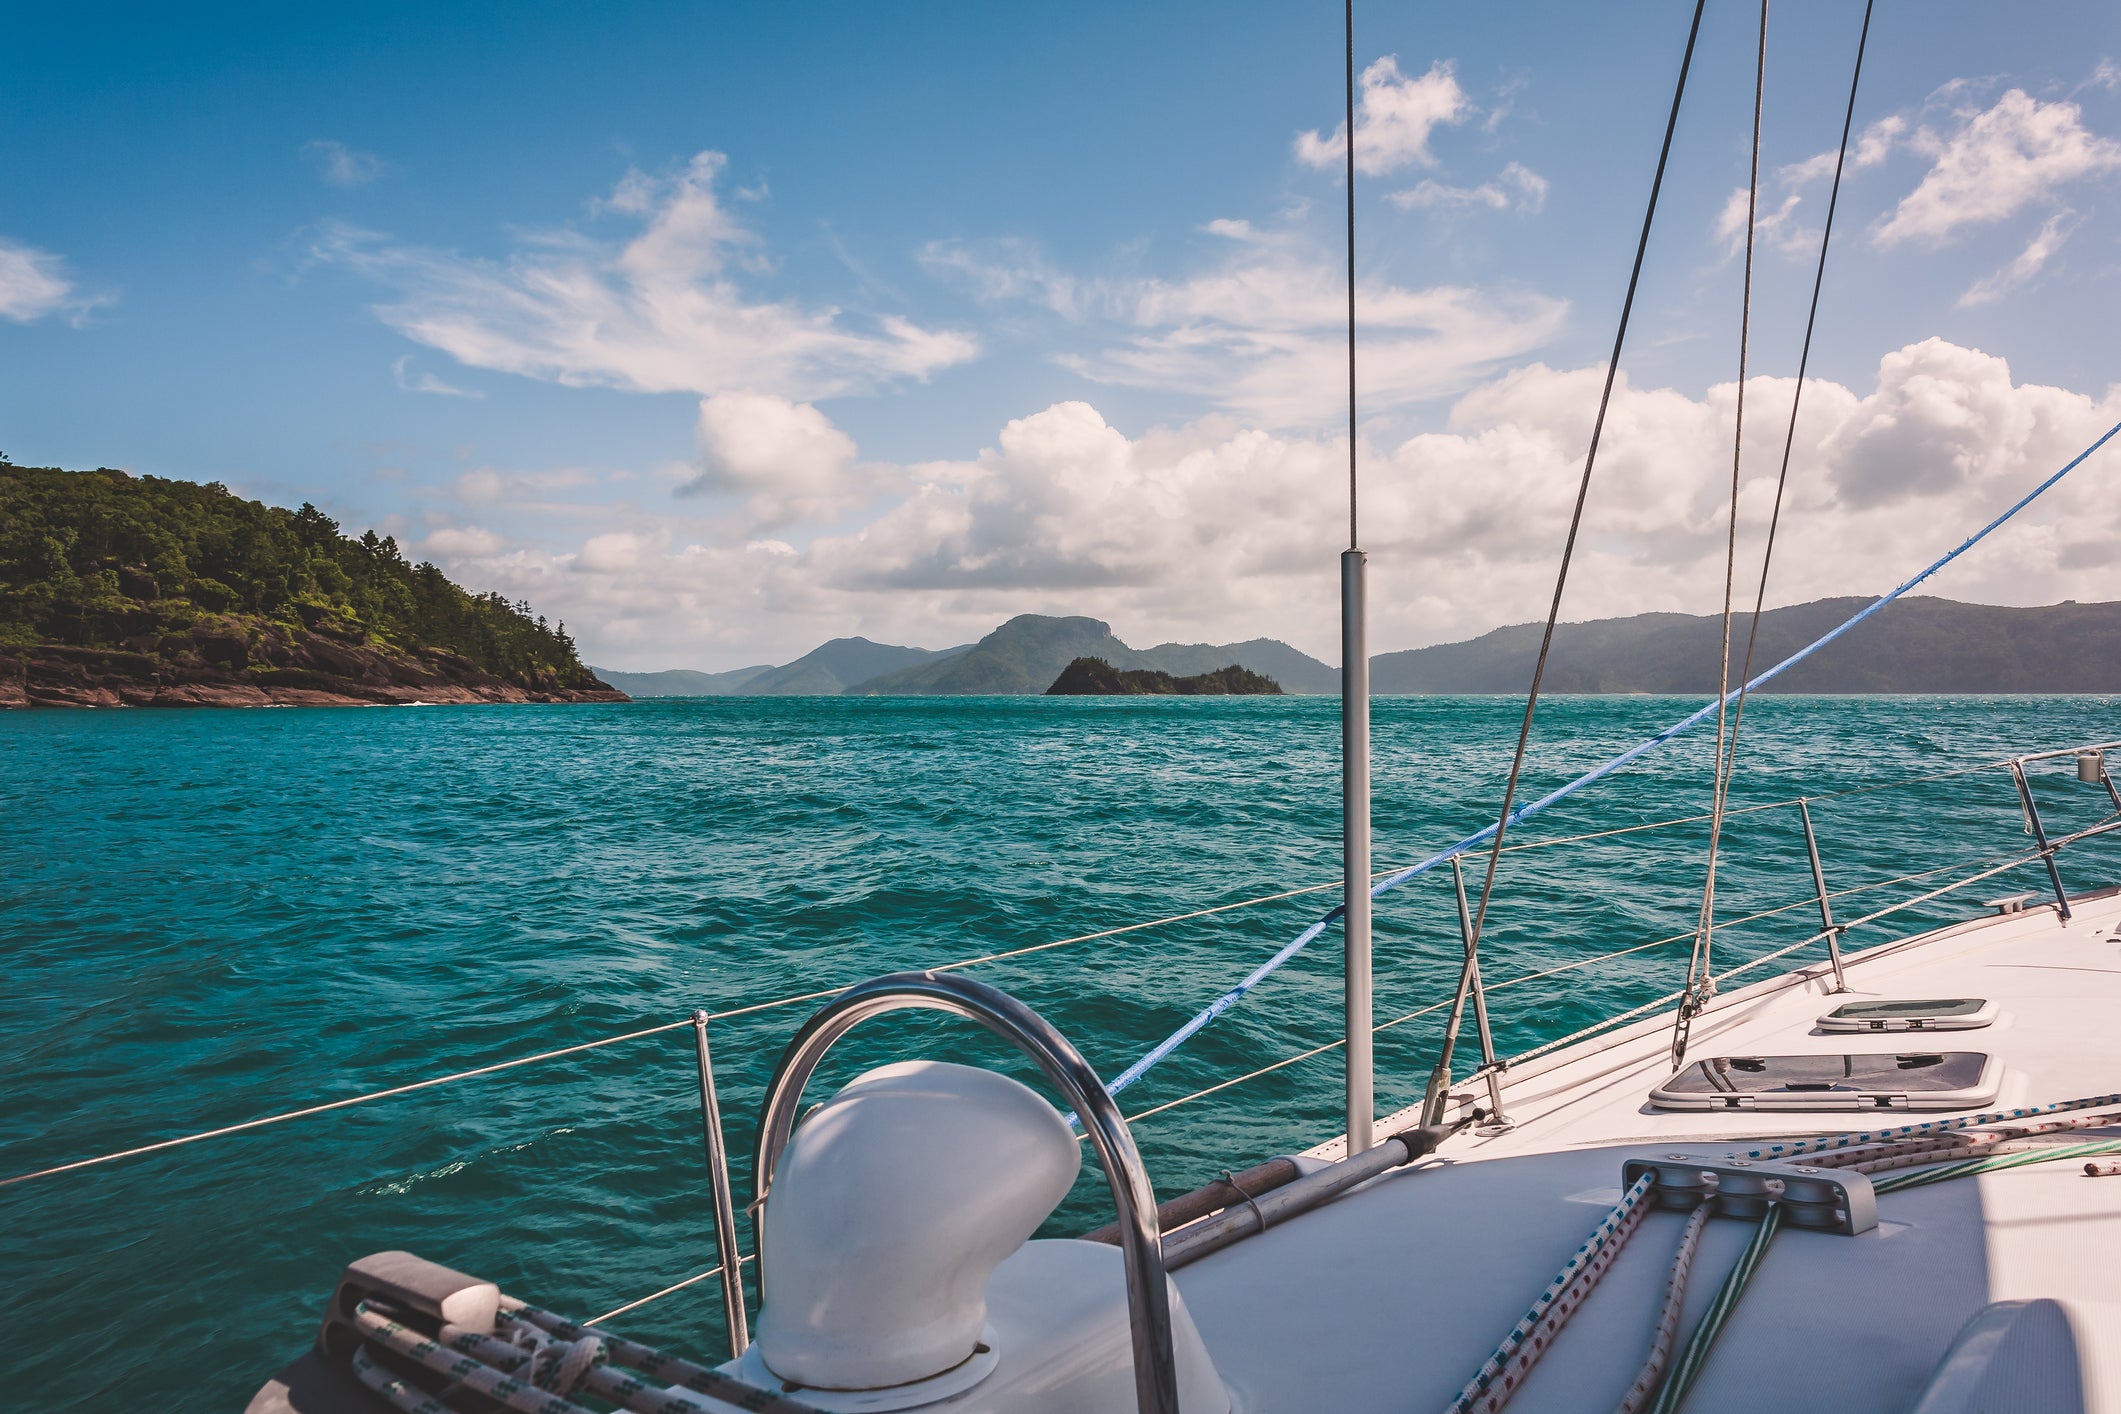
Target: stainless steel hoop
(1141, 1245)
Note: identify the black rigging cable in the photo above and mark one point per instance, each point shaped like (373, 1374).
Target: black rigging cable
(1804, 358)
(1699, 970)
(1583, 488)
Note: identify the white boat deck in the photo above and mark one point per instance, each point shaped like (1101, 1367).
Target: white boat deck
(1391, 1297)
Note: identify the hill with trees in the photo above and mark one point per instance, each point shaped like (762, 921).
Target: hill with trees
(140, 591)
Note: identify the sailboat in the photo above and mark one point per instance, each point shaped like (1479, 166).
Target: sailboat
(1884, 1178)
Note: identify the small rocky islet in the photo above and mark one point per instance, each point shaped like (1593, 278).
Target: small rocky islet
(1094, 677)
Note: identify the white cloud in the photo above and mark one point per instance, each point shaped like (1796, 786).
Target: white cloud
(340, 165)
(34, 283)
(1394, 116)
(2013, 154)
(2025, 265)
(1262, 330)
(787, 458)
(1517, 187)
(425, 382)
(664, 311)
(1219, 530)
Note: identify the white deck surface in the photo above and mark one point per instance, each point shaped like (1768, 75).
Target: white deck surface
(1390, 1298)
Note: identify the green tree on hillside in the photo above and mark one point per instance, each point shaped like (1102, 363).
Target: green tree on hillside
(97, 558)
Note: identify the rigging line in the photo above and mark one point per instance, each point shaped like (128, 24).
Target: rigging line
(1705, 932)
(1804, 359)
(1583, 490)
(1605, 768)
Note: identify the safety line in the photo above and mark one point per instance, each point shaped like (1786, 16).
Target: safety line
(714, 1271)
(339, 1104)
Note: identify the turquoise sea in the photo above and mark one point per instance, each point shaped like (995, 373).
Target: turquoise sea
(210, 916)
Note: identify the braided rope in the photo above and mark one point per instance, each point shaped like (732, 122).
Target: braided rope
(1653, 1367)
(461, 1369)
(1691, 1359)
(400, 1395)
(1696, 1353)
(2043, 1154)
(1830, 1143)
(1620, 1223)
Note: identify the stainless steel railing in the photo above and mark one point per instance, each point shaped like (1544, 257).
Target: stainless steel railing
(1141, 1245)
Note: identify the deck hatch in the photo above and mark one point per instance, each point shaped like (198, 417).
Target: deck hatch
(1911, 1014)
(1902, 1080)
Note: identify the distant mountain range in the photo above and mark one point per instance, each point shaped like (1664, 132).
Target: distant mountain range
(1020, 658)
(1919, 645)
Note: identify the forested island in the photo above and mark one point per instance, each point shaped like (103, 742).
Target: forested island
(121, 590)
(1094, 677)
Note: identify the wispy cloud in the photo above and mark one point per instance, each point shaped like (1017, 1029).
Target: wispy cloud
(666, 310)
(1516, 188)
(34, 284)
(425, 382)
(2025, 265)
(1261, 328)
(340, 165)
(1394, 117)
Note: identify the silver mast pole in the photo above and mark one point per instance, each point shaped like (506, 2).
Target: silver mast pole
(1355, 729)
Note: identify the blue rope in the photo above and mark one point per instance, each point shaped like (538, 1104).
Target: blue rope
(1302, 940)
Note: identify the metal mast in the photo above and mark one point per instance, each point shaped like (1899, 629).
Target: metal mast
(1355, 726)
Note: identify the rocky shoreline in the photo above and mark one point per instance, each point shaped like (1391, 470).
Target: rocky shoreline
(223, 665)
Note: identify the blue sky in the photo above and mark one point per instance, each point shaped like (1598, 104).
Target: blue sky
(718, 330)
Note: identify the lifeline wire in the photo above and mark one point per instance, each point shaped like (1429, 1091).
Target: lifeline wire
(1634, 753)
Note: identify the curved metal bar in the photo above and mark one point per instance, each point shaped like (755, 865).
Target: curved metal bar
(1141, 1244)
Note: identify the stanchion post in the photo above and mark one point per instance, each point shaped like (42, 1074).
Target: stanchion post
(1826, 907)
(2047, 851)
(724, 1204)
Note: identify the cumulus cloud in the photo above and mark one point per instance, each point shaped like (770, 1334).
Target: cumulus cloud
(786, 458)
(2000, 160)
(1261, 330)
(2025, 265)
(1221, 530)
(34, 284)
(666, 310)
(1517, 188)
(340, 165)
(1394, 116)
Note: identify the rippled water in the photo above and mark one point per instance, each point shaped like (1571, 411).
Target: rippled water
(212, 916)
